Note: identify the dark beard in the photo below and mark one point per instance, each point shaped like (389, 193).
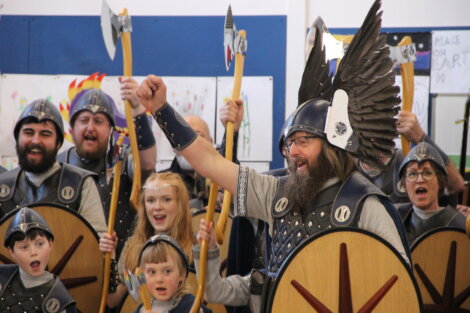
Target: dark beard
(303, 189)
(91, 156)
(48, 158)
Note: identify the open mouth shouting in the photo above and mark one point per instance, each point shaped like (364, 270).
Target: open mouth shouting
(35, 151)
(299, 164)
(90, 139)
(159, 218)
(161, 291)
(421, 192)
(35, 266)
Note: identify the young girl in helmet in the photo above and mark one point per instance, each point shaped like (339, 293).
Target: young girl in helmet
(164, 209)
(165, 266)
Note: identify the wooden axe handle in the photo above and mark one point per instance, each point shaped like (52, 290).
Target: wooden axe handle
(237, 84)
(137, 180)
(143, 291)
(407, 77)
(204, 246)
(112, 215)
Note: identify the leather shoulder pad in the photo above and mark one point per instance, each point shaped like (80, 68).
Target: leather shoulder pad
(7, 184)
(348, 203)
(71, 182)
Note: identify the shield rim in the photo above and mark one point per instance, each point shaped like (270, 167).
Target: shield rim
(269, 303)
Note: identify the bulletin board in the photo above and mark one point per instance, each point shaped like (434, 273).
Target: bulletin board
(255, 135)
(450, 63)
(188, 95)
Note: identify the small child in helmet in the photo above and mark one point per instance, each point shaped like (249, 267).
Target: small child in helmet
(26, 286)
(165, 267)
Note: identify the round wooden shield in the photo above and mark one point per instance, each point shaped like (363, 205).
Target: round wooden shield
(441, 264)
(344, 270)
(75, 256)
(130, 305)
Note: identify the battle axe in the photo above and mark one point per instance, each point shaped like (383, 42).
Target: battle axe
(405, 54)
(114, 26)
(235, 44)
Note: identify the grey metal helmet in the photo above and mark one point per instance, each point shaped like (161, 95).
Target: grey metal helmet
(154, 240)
(420, 153)
(282, 138)
(309, 117)
(41, 110)
(95, 101)
(25, 220)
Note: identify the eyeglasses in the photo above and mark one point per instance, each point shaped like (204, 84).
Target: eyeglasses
(300, 141)
(413, 175)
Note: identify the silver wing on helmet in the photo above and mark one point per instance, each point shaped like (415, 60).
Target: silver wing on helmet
(363, 97)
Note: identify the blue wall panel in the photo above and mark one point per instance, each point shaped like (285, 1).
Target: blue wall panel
(167, 46)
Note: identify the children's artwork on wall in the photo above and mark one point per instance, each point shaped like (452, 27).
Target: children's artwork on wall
(189, 95)
(450, 63)
(420, 101)
(255, 134)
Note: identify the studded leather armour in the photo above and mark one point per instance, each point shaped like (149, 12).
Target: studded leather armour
(50, 297)
(125, 215)
(415, 226)
(338, 205)
(63, 188)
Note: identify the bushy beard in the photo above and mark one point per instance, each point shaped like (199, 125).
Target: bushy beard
(303, 188)
(46, 162)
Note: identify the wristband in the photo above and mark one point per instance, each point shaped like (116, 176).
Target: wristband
(143, 131)
(177, 131)
(113, 277)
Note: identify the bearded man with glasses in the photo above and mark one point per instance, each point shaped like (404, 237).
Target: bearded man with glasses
(423, 173)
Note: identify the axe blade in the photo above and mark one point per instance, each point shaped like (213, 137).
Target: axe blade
(229, 35)
(109, 29)
(132, 284)
(333, 48)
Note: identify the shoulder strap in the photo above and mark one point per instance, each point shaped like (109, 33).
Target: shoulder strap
(7, 184)
(57, 299)
(71, 181)
(348, 203)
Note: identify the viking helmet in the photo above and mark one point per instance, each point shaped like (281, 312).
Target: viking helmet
(309, 117)
(41, 110)
(421, 153)
(356, 110)
(154, 240)
(95, 101)
(25, 220)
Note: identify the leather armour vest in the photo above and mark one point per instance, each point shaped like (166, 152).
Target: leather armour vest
(388, 180)
(125, 215)
(339, 205)
(51, 297)
(63, 187)
(416, 226)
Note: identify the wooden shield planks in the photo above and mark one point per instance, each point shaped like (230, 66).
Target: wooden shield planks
(441, 264)
(345, 271)
(75, 256)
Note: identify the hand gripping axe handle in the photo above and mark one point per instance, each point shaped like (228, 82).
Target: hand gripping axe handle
(118, 156)
(114, 26)
(233, 42)
(408, 79)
